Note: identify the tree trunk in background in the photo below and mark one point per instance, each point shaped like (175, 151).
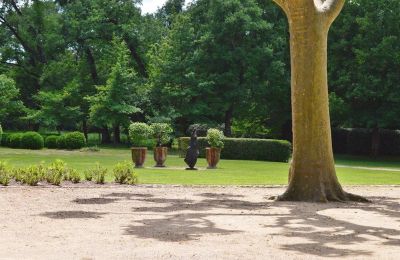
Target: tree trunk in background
(105, 136)
(312, 174)
(228, 122)
(375, 142)
(85, 129)
(117, 134)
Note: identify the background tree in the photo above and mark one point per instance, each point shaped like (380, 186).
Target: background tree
(121, 97)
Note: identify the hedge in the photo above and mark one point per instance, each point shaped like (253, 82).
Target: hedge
(51, 141)
(32, 140)
(245, 149)
(75, 140)
(358, 141)
(61, 144)
(14, 140)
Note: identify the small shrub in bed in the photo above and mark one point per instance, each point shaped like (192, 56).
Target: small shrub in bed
(32, 140)
(5, 175)
(124, 173)
(32, 175)
(51, 142)
(74, 141)
(74, 176)
(56, 172)
(88, 175)
(99, 174)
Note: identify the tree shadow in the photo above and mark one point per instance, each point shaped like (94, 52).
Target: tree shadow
(94, 201)
(327, 234)
(72, 215)
(176, 228)
(127, 195)
(320, 234)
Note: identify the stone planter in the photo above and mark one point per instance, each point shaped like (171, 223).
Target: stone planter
(139, 156)
(213, 155)
(160, 156)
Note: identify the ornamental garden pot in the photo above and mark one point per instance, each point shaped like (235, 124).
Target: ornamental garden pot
(160, 156)
(139, 156)
(213, 155)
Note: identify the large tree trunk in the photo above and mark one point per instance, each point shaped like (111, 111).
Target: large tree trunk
(312, 174)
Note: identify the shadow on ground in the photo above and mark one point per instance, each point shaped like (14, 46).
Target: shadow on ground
(321, 231)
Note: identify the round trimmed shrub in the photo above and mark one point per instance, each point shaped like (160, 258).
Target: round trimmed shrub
(75, 140)
(51, 142)
(14, 140)
(32, 140)
(61, 142)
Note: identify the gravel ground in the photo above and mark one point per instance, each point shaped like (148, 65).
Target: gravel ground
(173, 222)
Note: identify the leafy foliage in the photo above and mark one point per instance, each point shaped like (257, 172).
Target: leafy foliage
(215, 138)
(161, 132)
(4, 174)
(246, 149)
(51, 141)
(32, 140)
(124, 173)
(74, 140)
(139, 133)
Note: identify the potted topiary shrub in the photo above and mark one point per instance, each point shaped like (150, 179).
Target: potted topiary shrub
(161, 132)
(215, 139)
(138, 134)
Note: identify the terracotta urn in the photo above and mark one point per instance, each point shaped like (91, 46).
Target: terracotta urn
(160, 156)
(139, 156)
(213, 155)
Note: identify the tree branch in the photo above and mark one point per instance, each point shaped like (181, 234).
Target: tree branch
(331, 8)
(282, 4)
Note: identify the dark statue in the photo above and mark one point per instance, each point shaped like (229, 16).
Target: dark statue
(192, 152)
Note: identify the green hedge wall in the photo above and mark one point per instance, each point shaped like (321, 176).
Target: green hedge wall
(245, 149)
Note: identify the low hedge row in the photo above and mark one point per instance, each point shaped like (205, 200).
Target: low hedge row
(245, 149)
(358, 141)
(35, 141)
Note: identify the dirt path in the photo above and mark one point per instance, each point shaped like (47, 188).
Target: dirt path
(167, 222)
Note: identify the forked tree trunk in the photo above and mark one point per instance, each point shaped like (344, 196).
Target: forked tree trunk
(312, 174)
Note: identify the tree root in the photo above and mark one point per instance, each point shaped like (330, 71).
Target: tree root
(339, 196)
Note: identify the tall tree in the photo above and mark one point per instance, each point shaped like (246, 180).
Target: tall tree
(312, 172)
(121, 97)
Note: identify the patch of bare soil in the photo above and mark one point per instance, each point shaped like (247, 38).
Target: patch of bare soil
(162, 222)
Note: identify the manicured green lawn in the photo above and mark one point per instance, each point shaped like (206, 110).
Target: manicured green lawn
(229, 172)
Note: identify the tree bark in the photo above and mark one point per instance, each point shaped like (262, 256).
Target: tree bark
(312, 175)
(105, 136)
(228, 122)
(117, 134)
(85, 129)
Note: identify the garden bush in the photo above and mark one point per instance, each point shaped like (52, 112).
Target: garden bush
(1, 133)
(32, 140)
(61, 142)
(5, 139)
(51, 141)
(74, 176)
(14, 140)
(139, 133)
(98, 174)
(32, 175)
(56, 172)
(162, 133)
(75, 140)
(215, 138)
(245, 149)
(5, 175)
(124, 173)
